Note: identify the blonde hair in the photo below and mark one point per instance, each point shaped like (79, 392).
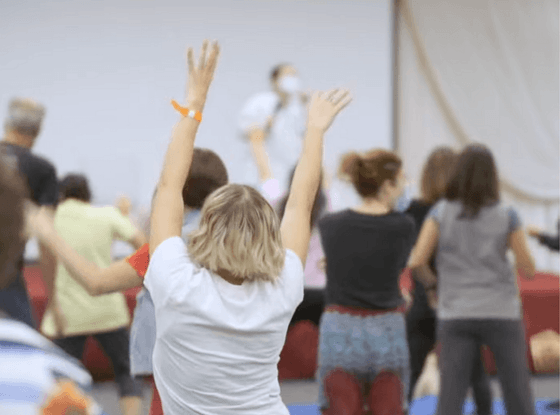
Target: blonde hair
(239, 232)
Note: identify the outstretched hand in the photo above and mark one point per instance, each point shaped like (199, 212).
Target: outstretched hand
(324, 107)
(201, 74)
(124, 205)
(534, 231)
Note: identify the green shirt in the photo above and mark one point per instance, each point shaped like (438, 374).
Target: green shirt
(91, 232)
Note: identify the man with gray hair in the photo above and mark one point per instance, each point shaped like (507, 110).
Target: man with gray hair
(21, 128)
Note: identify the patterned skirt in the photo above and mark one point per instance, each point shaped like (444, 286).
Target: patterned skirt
(362, 344)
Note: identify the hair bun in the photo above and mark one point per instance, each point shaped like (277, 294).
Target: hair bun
(370, 170)
(350, 166)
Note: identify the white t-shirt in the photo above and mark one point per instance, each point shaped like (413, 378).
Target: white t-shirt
(218, 344)
(284, 141)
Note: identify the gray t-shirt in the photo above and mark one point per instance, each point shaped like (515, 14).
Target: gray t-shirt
(476, 279)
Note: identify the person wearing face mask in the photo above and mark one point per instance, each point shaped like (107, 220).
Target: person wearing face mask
(273, 123)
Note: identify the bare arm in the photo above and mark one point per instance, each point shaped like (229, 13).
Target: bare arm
(296, 226)
(138, 239)
(523, 258)
(424, 248)
(167, 209)
(117, 277)
(256, 138)
(425, 276)
(47, 263)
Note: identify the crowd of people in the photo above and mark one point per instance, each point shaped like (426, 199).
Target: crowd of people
(226, 269)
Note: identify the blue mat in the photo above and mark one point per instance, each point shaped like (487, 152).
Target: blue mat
(427, 406)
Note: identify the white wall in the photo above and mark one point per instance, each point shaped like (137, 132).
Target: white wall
(106, 71)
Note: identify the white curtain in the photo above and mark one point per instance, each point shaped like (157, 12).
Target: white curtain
(486, 71)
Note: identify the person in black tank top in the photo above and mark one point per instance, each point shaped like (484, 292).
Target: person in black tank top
(363, 354)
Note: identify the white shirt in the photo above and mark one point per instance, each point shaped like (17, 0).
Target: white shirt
(284, 141)
(218, 344)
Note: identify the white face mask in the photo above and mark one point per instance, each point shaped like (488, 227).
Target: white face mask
(290, 85)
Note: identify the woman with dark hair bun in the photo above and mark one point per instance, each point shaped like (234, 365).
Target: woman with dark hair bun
(363, 351)
(470, 232)
(421, 318)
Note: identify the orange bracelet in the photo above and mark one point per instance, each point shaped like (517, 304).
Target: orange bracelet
(197, 115)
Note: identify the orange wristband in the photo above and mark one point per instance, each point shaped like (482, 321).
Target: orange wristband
(197, 115)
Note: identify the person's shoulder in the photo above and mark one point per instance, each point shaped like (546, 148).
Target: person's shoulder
(63, 208)
(31, 159)
(43, 161)
(336, 216)
(169, 259)
(405, 220)
(510, 214)
(40, 163)
(14, 330)
(333, 218)
(292, 261)
(498, 209)
(504, 207)
(18, 332)
(106, 215)
(418, 206)
(291, 279)
(109, 210)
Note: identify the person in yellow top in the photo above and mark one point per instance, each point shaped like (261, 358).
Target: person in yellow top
(90, 231)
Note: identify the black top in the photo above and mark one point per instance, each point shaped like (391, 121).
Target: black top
(39, 173)
(420, 309)
(365, 256)
(40, 177)
(552, 242)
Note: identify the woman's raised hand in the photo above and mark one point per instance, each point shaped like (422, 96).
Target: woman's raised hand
(201, 74)
(324, 107)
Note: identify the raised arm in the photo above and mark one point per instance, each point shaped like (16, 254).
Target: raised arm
(95, 280)
(256, 138)
(167, 209)
(296, 226)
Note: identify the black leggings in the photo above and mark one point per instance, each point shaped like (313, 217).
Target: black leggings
(421, 336)
(115, 344)
(461, 341)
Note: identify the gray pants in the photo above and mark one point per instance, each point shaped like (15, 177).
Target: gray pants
(461, 341)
